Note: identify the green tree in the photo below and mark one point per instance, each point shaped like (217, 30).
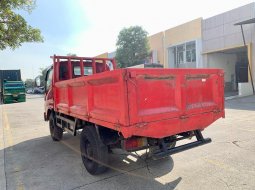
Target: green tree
(29, 83)
(42, 75)
(14, 29)
(132, 46)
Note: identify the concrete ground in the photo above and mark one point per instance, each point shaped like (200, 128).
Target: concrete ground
(29, 159)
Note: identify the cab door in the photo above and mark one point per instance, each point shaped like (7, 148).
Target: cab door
(48, 97)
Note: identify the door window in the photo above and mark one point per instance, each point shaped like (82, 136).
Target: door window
(49, 79)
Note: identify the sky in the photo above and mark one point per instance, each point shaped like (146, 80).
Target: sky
(91, 27)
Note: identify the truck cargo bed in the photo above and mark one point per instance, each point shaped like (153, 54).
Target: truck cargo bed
(145, 102)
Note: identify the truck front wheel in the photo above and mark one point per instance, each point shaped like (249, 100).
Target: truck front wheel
(94, 153)
(56, 132)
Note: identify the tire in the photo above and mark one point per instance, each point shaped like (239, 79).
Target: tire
(56, 132)
(94, 153)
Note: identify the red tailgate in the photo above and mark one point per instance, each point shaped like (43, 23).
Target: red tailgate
(153, 95)
(164, 102)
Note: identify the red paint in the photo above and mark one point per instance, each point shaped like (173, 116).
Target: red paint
(143, 102)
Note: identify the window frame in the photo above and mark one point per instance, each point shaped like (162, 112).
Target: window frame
(84, 68)
(47, 86)
(192, 51)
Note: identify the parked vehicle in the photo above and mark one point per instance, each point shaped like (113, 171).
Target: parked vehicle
(132, 109)
(30, 91)
(8, 75)
(38, 90)
(13, 91)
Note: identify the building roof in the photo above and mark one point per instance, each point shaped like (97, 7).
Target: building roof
(249, 21)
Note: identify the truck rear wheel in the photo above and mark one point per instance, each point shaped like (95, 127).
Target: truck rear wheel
(56, 132)
(94, 153)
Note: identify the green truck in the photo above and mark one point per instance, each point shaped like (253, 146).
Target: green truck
(12, 89)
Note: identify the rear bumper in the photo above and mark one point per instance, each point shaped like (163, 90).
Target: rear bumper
(161, 154)
(166, 152)
(11, 98)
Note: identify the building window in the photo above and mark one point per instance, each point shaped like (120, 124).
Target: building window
(180, 54)
(190, 52)
(184, 54)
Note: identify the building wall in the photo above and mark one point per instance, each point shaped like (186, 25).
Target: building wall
(223, 61)
(199, 63)
(156, 43)
(103, 55)
(219, 33)
(183, 33)
(190, 31)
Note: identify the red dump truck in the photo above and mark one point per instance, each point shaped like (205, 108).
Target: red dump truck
(132, 109)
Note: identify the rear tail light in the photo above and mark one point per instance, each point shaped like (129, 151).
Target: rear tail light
(134, 143)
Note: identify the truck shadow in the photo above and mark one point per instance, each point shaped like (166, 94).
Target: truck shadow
(43, 164)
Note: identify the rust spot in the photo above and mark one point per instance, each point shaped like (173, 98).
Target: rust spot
(156, 77)
(103, 81)
(195, 77)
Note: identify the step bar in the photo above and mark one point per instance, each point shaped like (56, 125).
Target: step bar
(164, 152)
